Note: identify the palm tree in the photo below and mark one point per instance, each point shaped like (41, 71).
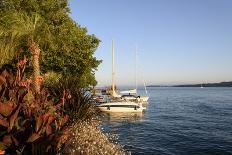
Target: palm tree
(21, 30)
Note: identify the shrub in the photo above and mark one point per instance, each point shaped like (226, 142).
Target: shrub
(79, 103)
(60, 118)
(29, 122)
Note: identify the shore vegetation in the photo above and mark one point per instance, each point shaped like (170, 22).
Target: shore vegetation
(47, 68)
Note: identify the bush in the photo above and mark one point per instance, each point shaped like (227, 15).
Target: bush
(29, 122)
(60, 118)
(79, 103)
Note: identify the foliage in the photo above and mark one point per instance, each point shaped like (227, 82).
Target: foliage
(65, 46)
(79, 102)
(28, 120)
(51, 78)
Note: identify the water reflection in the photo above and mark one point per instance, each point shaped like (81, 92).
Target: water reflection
(128, 123)
(115, 118)
(190, 121)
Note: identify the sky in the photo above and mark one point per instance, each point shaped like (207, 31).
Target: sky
(178, 41)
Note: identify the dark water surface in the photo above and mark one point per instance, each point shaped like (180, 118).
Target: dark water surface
(180, 121)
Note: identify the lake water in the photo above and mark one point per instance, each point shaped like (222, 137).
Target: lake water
(178, 121)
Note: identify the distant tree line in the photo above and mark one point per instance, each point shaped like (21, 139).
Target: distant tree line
(221, 84)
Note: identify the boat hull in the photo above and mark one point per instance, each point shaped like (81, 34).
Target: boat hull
(121, 107)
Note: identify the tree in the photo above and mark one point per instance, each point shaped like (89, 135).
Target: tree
(25, 32)
(64, 46)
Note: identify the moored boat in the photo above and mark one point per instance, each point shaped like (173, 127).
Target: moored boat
(116, 103)
(131, 95)
(123, 106)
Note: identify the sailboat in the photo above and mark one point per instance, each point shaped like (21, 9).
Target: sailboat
(132, 95)
(202, 86)
(116, 103)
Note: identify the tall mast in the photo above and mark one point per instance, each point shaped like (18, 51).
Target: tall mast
(136, 50)
(113, 73)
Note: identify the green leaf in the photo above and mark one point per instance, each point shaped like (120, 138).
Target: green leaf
(3, 146)
(29, 96)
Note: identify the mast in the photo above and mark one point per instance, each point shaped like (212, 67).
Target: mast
(136, 83)
(113, 73)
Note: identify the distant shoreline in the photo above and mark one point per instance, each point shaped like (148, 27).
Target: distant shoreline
(221, 84)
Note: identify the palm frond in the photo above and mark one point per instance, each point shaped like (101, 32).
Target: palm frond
(18, 29)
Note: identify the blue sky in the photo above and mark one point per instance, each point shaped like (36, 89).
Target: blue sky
(179, 41)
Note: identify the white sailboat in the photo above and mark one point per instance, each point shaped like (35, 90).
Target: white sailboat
(202, 86)
(117, 104)
(132, 95)
(123, 106)
(114, 93)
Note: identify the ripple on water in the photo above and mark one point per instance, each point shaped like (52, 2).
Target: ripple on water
(178, 121)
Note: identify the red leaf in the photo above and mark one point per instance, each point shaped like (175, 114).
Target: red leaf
(58, 105)
(64, 120)
(50, 120)
(13, 118)
(39, 121)
(45, 117)
(6, 108)
(4, 122)
(66, 129)
(7, 140)
(33, 137)
(48, 129)
(3, 78)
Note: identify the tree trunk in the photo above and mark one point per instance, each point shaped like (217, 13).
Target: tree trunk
(35, 50)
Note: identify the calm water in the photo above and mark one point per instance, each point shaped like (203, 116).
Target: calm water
(178, 121)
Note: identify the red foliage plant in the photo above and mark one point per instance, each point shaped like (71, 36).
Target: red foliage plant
(28, 120)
